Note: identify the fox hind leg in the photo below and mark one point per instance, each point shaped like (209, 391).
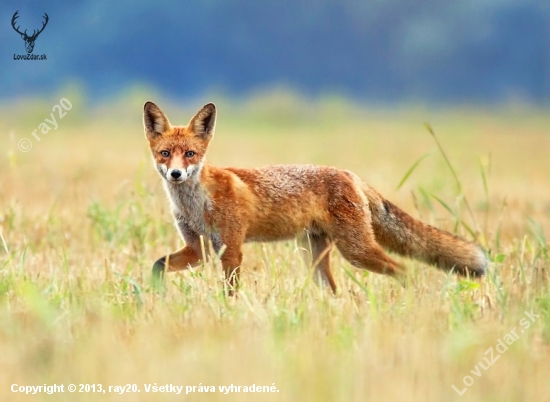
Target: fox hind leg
(321, 248)
(356, 242)
(370, 256)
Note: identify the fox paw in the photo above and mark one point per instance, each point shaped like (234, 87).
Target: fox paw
(158, 272)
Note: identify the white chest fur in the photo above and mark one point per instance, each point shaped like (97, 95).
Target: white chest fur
(189, 202)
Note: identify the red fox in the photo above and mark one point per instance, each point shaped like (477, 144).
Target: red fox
(231, 206)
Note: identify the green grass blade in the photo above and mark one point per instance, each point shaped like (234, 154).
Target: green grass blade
(444, 205)
(447, 161)
(354, 279)
(483, 167)
(539, 235)
(136, 288)
(411, 169)
(453, 171)
(468, 229)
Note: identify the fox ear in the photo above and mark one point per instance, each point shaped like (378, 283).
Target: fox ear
(155, 121)
(204, 122)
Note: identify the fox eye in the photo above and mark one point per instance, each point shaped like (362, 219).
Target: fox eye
(189, 154)
(165, 153)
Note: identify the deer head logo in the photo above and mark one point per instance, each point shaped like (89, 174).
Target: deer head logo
(29, 40)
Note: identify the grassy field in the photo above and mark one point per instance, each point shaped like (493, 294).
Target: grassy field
(83, 216)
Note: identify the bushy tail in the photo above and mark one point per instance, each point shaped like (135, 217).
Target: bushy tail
(399, 232)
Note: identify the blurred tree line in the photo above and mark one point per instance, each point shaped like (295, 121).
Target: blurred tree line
(482, 51)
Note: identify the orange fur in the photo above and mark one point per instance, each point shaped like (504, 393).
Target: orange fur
(231, 206)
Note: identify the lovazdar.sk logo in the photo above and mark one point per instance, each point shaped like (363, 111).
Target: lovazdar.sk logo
(29, 39)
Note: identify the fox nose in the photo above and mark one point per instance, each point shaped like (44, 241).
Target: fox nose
(176, 174)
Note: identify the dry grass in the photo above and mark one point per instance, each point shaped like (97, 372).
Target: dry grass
(83, 217)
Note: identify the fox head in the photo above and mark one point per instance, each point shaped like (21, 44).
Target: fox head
(178, 151)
